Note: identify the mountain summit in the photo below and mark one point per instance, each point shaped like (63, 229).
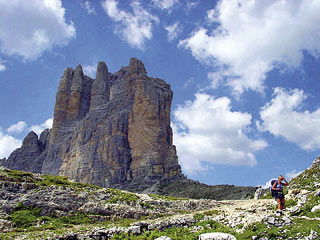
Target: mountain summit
(111, 131)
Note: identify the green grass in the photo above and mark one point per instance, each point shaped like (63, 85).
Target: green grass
(291, 202)
(43, 180)
(119, 196)
(311, 202)
(23, 216)
(211, 212)
(306, 180)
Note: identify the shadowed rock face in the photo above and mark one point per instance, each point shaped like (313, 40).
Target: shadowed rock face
(28, 156)
(110, 131)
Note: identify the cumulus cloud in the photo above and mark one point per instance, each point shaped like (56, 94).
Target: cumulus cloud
(39, 128)
(165, 4)
(173, 31)
(28, 28)
(292, 174)
(8, 144)
(134, 27)
(90, 70)
(206, 130)
(288, 175)
(254, 37)
(282, 116)
(18, 127)
(87, 6)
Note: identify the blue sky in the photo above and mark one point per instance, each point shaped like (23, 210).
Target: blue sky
(245, 74)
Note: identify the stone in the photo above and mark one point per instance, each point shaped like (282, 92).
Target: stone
(258, 194)
(317, 194)
(294, 191)
(216, 236)
(315, 208)
(271, 220)
(163, 238)
(136, 230)
(111, 131)
(5, 225)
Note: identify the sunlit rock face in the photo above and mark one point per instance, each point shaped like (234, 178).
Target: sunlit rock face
(110, 131)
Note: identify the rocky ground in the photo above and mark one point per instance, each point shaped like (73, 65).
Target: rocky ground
(49, 207)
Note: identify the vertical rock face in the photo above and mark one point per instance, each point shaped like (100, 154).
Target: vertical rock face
(27, 157)
(3, 162)
(111, 131)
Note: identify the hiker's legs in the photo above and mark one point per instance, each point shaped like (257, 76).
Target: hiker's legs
(282, 203)
(279, 204)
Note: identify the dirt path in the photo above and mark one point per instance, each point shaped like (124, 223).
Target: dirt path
(241, 213)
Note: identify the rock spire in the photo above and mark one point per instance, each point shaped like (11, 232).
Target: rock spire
(112, 131)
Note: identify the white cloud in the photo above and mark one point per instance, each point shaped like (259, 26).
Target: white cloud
(2, 66)
(18, 127)
(90, 70)
(87, 6)
(28, 28)
(216, 79)
(173, 31)
(281, 117)
(292, 174)
(134, 27)
(289, 176)
(207, 131)
(8, 144)
(39, 128)
(165, 4)
(253, 37)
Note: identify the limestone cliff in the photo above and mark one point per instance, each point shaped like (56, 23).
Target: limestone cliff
(110, 131)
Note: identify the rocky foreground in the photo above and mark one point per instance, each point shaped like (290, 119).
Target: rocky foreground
(34, 206)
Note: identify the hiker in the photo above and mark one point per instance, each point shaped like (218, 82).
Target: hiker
(277, 188)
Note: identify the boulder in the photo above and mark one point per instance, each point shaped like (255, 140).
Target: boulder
(163, 238)
(216, 236)
(315, 208)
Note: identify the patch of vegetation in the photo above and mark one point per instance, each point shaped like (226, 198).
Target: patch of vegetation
(121, 196)
(211, 212)
(43, 180)
(310, 203)
(198, 216)
(306, 180)
(291, 202)
(23, 216)
(146, 205)
(17, 173)
(50, 180)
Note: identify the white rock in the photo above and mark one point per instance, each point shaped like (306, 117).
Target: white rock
(216, 236)
(5, 225)
(134, 230)
(317, 194)
(271, 220)
(163, 238)
(315, 208)
(258, 194)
